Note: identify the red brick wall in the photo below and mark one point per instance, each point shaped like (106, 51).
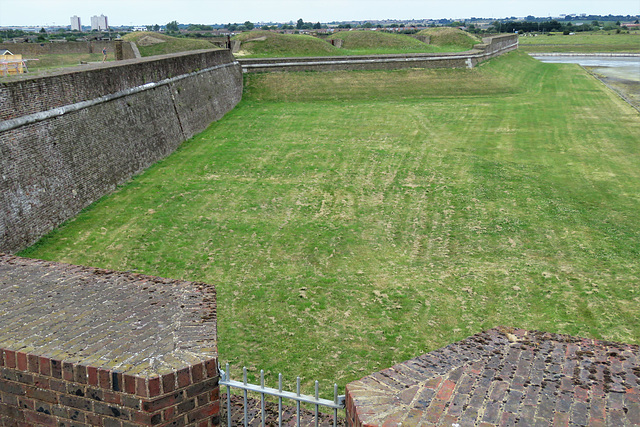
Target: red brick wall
(39, 391)
(55, 167)
(35, 49)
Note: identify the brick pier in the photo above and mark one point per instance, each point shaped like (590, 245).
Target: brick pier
(505, 377)
(84, 346)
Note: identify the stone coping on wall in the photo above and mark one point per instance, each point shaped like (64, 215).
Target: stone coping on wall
(114, 330)
(505, 376)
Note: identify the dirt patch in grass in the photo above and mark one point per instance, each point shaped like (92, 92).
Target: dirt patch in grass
(149, 40)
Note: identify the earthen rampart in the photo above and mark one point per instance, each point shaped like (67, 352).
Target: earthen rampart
(491, 47)
(69, 138)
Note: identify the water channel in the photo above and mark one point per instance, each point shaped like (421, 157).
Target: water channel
(623, 67)
(620, 72)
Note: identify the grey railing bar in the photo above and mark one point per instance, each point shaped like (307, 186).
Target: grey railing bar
(298, 402)
(244, 377)
(285, 394)
(338, 402)
(280, 400)
(316, 413)
(335, 400)
(262, 395)
(224, 375)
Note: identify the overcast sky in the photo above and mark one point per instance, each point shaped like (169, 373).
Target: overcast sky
(144, 12)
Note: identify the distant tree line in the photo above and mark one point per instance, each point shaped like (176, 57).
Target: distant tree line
(586, 18)
(43, 35)
(553, 25)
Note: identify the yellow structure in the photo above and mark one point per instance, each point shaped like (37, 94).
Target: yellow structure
(11, 64)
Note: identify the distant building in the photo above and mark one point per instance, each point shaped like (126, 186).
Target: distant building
(99, 23)
(11, 64)
(140, 28)
(75, 23)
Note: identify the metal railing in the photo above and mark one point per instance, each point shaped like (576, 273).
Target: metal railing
(335, 404)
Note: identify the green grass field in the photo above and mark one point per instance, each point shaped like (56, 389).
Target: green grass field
(596, 42)
(353, 220)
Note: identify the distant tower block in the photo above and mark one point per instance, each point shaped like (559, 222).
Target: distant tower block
(99, 23)
(75, 23)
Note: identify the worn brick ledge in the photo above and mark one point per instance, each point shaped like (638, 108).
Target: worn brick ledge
(86, 346)
(505, 376)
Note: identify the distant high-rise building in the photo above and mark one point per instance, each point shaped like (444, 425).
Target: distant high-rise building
(99, 23)
(75, 23)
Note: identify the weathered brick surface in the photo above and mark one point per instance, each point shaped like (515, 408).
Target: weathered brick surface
(52, 169)
(25, 94)
(505, 376)
(87, 346)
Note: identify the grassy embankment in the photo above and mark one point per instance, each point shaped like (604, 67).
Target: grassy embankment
(352, 220)
(596, 42)
(450, 38)
(268, 44)
(154, 44)
(262, 44)
(150, 44)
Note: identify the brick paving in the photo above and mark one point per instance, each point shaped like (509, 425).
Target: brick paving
(505, 377)
(130, 323)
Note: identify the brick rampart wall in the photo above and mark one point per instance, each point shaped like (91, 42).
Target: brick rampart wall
(491, 47)
(27, 95)
(53, 165)
(49, 48)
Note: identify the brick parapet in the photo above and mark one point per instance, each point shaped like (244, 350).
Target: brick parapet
(39, 399)
(502, 377)
(49, 48)
(25, 94)
(55, 315)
